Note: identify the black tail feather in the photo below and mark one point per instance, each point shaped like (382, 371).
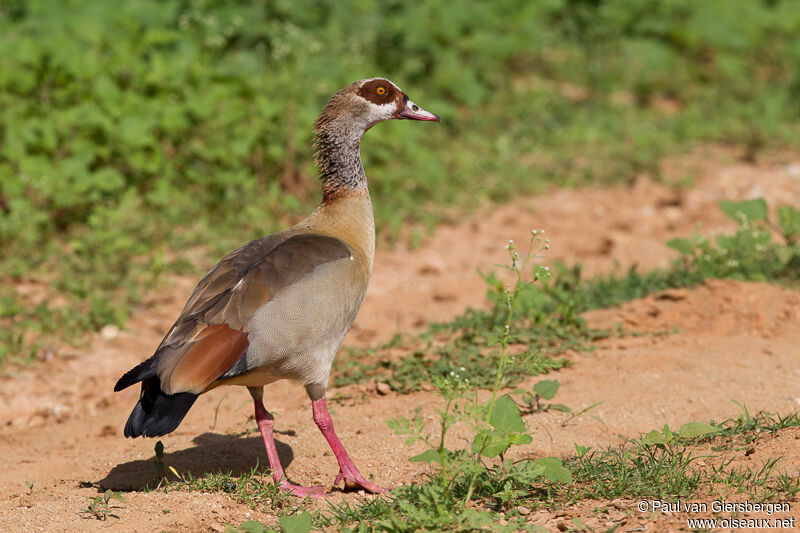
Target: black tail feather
(144, 370)
(157, 413)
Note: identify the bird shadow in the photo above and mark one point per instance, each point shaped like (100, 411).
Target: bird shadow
(212, 453)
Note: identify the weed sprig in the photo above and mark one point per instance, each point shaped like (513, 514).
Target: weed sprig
(101, 507)
(459, 475)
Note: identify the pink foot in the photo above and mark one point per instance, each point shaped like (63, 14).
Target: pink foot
(265, 423)
(300, 491)
(355, 481)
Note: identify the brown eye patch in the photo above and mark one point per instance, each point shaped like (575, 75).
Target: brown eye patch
(378, 92)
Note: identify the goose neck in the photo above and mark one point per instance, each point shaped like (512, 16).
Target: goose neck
(338, 159)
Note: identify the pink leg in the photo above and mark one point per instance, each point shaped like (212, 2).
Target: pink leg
(265, 423)
(353, 480)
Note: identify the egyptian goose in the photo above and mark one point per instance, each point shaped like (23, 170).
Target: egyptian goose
(279, 306)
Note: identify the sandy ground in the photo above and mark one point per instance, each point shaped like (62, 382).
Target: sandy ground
(61, 425)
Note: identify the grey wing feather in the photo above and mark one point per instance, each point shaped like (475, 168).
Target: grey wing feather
(246, 278)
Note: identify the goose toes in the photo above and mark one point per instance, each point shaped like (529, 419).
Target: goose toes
(300, 491)
(354, 482)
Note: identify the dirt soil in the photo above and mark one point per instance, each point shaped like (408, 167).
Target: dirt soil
(61, 425)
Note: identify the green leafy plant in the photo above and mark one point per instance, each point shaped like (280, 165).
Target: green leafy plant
(161, 468)
(545, 389)
(298, 523)
(690, 430)
(496, 423)
(101, 507)
(752, 252)
(158, 462)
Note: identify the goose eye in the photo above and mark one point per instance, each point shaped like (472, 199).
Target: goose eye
(381, 91)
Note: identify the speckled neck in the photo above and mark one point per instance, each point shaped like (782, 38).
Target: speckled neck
(338, 157)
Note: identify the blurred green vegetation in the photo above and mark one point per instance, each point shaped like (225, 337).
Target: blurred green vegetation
(131, 128)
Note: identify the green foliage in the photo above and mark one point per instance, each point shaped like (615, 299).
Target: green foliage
(299, 523)
(687, 431)
(544, 390)
(101, 507)
(27, 328)
(362, 513)
(161, 468)
(507, 430)
(254, 488)
(789, 222)
(129, 130)
(635, 472)
(458, 475)
(158, 462)
(752, 253)
(663, 464)
(749, 210)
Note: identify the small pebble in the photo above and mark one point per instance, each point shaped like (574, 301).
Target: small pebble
(109, 332)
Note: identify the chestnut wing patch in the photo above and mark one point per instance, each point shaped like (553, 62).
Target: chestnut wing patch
(209, 335)
(204, 358)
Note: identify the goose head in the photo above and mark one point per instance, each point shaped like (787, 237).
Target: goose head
(339, 128)
(385, 101)
(365, 103)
